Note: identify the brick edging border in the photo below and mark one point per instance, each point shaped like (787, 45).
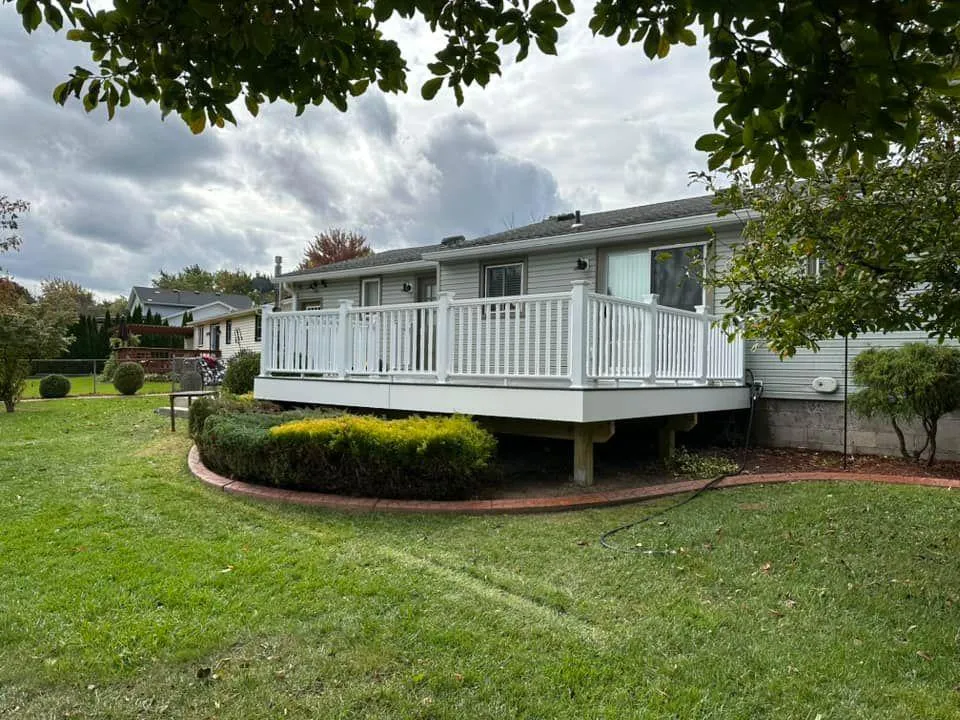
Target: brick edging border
(532, 505)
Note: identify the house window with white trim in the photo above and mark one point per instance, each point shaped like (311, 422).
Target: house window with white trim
(676, 275)
(504, 280)
(257, 327)
(200, 335)
(370, 292)
(229, 338)
(315, 305)
(674, 272)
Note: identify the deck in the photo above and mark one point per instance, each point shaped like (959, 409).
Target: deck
(576, 356)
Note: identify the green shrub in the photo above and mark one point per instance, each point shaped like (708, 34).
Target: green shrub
(128, 378)
(204, 407)
(915, 382)
(54, 386)
(419, 458)
(704, 467)
(242, 368)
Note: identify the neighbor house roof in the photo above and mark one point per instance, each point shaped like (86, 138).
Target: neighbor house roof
(213, 320)
(188, 298)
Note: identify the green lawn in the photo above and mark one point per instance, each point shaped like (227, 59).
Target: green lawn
(84, 386)
(127, 589)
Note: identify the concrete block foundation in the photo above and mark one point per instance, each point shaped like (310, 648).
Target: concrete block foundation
(818, 425)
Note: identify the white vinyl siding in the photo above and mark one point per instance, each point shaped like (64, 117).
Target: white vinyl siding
(243, 336)
(391, 291)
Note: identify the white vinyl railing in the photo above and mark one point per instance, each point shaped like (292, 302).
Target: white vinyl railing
(579, 337)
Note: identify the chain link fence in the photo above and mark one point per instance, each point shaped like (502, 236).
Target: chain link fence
(86, 374)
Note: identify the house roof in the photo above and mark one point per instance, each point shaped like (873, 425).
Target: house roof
(386, 257)
(224, 316)
(188, 298)
(637, 215)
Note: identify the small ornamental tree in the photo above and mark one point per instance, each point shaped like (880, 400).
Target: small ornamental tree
(28, 330)
(916, 382)
(334, 245)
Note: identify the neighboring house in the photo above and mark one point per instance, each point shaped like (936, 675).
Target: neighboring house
(582, 319)
(172, 304)
(228, 333)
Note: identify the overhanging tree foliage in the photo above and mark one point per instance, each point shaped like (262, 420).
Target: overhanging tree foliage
(10, 212)
(781, 70)
(846, 253)
(334, 245)
(194, 277)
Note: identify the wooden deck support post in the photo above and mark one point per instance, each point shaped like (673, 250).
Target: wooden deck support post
(667, 440)
(583, 454)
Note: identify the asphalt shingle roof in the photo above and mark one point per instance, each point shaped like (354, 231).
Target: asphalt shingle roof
(638, 215)
(386, 257)
(189, 298)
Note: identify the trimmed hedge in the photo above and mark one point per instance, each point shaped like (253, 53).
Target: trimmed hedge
(415, 458)
(242, 368)
(129, 378)
(54, 386)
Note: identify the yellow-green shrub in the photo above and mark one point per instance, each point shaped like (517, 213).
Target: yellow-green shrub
(423, 458)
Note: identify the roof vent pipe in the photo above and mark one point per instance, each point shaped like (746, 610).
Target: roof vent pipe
(576, 220)
(277, 266)
(452, 240)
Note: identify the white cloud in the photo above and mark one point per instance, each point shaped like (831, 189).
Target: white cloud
(596, 128)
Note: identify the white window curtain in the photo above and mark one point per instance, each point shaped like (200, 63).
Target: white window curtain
(628, 274)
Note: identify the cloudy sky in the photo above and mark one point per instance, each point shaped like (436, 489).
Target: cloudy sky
(596, 128)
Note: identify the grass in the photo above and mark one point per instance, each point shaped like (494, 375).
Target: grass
(127, 589)
(84, 386)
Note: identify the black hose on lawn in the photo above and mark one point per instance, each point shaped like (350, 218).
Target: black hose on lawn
(756, 389)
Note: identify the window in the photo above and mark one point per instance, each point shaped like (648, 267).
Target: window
(257, 327)
(229, 338)
(503, 280)
(316, 305)
(200, 336)
(676, 275)
(370, 292)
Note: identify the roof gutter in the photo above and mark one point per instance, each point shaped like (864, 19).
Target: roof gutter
(599, 237)
(367, 270)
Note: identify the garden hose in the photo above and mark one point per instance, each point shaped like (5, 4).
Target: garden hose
(756, 390)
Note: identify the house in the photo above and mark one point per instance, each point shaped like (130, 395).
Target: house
(171, 305)
(560, 327)
(227, 332)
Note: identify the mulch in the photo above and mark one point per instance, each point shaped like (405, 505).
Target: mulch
(531, 467)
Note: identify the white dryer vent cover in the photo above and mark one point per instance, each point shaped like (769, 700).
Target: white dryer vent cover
(825, 385)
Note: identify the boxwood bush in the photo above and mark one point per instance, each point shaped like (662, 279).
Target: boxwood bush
(54, 386)
(128, 378)
(417, 458)
(242, 368)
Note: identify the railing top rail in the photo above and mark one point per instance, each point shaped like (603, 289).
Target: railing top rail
(613, 299)
(532, 297)
(357, 309)
(679, 312)
(302, 313)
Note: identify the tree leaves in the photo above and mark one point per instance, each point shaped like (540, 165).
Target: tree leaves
(795, 76)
